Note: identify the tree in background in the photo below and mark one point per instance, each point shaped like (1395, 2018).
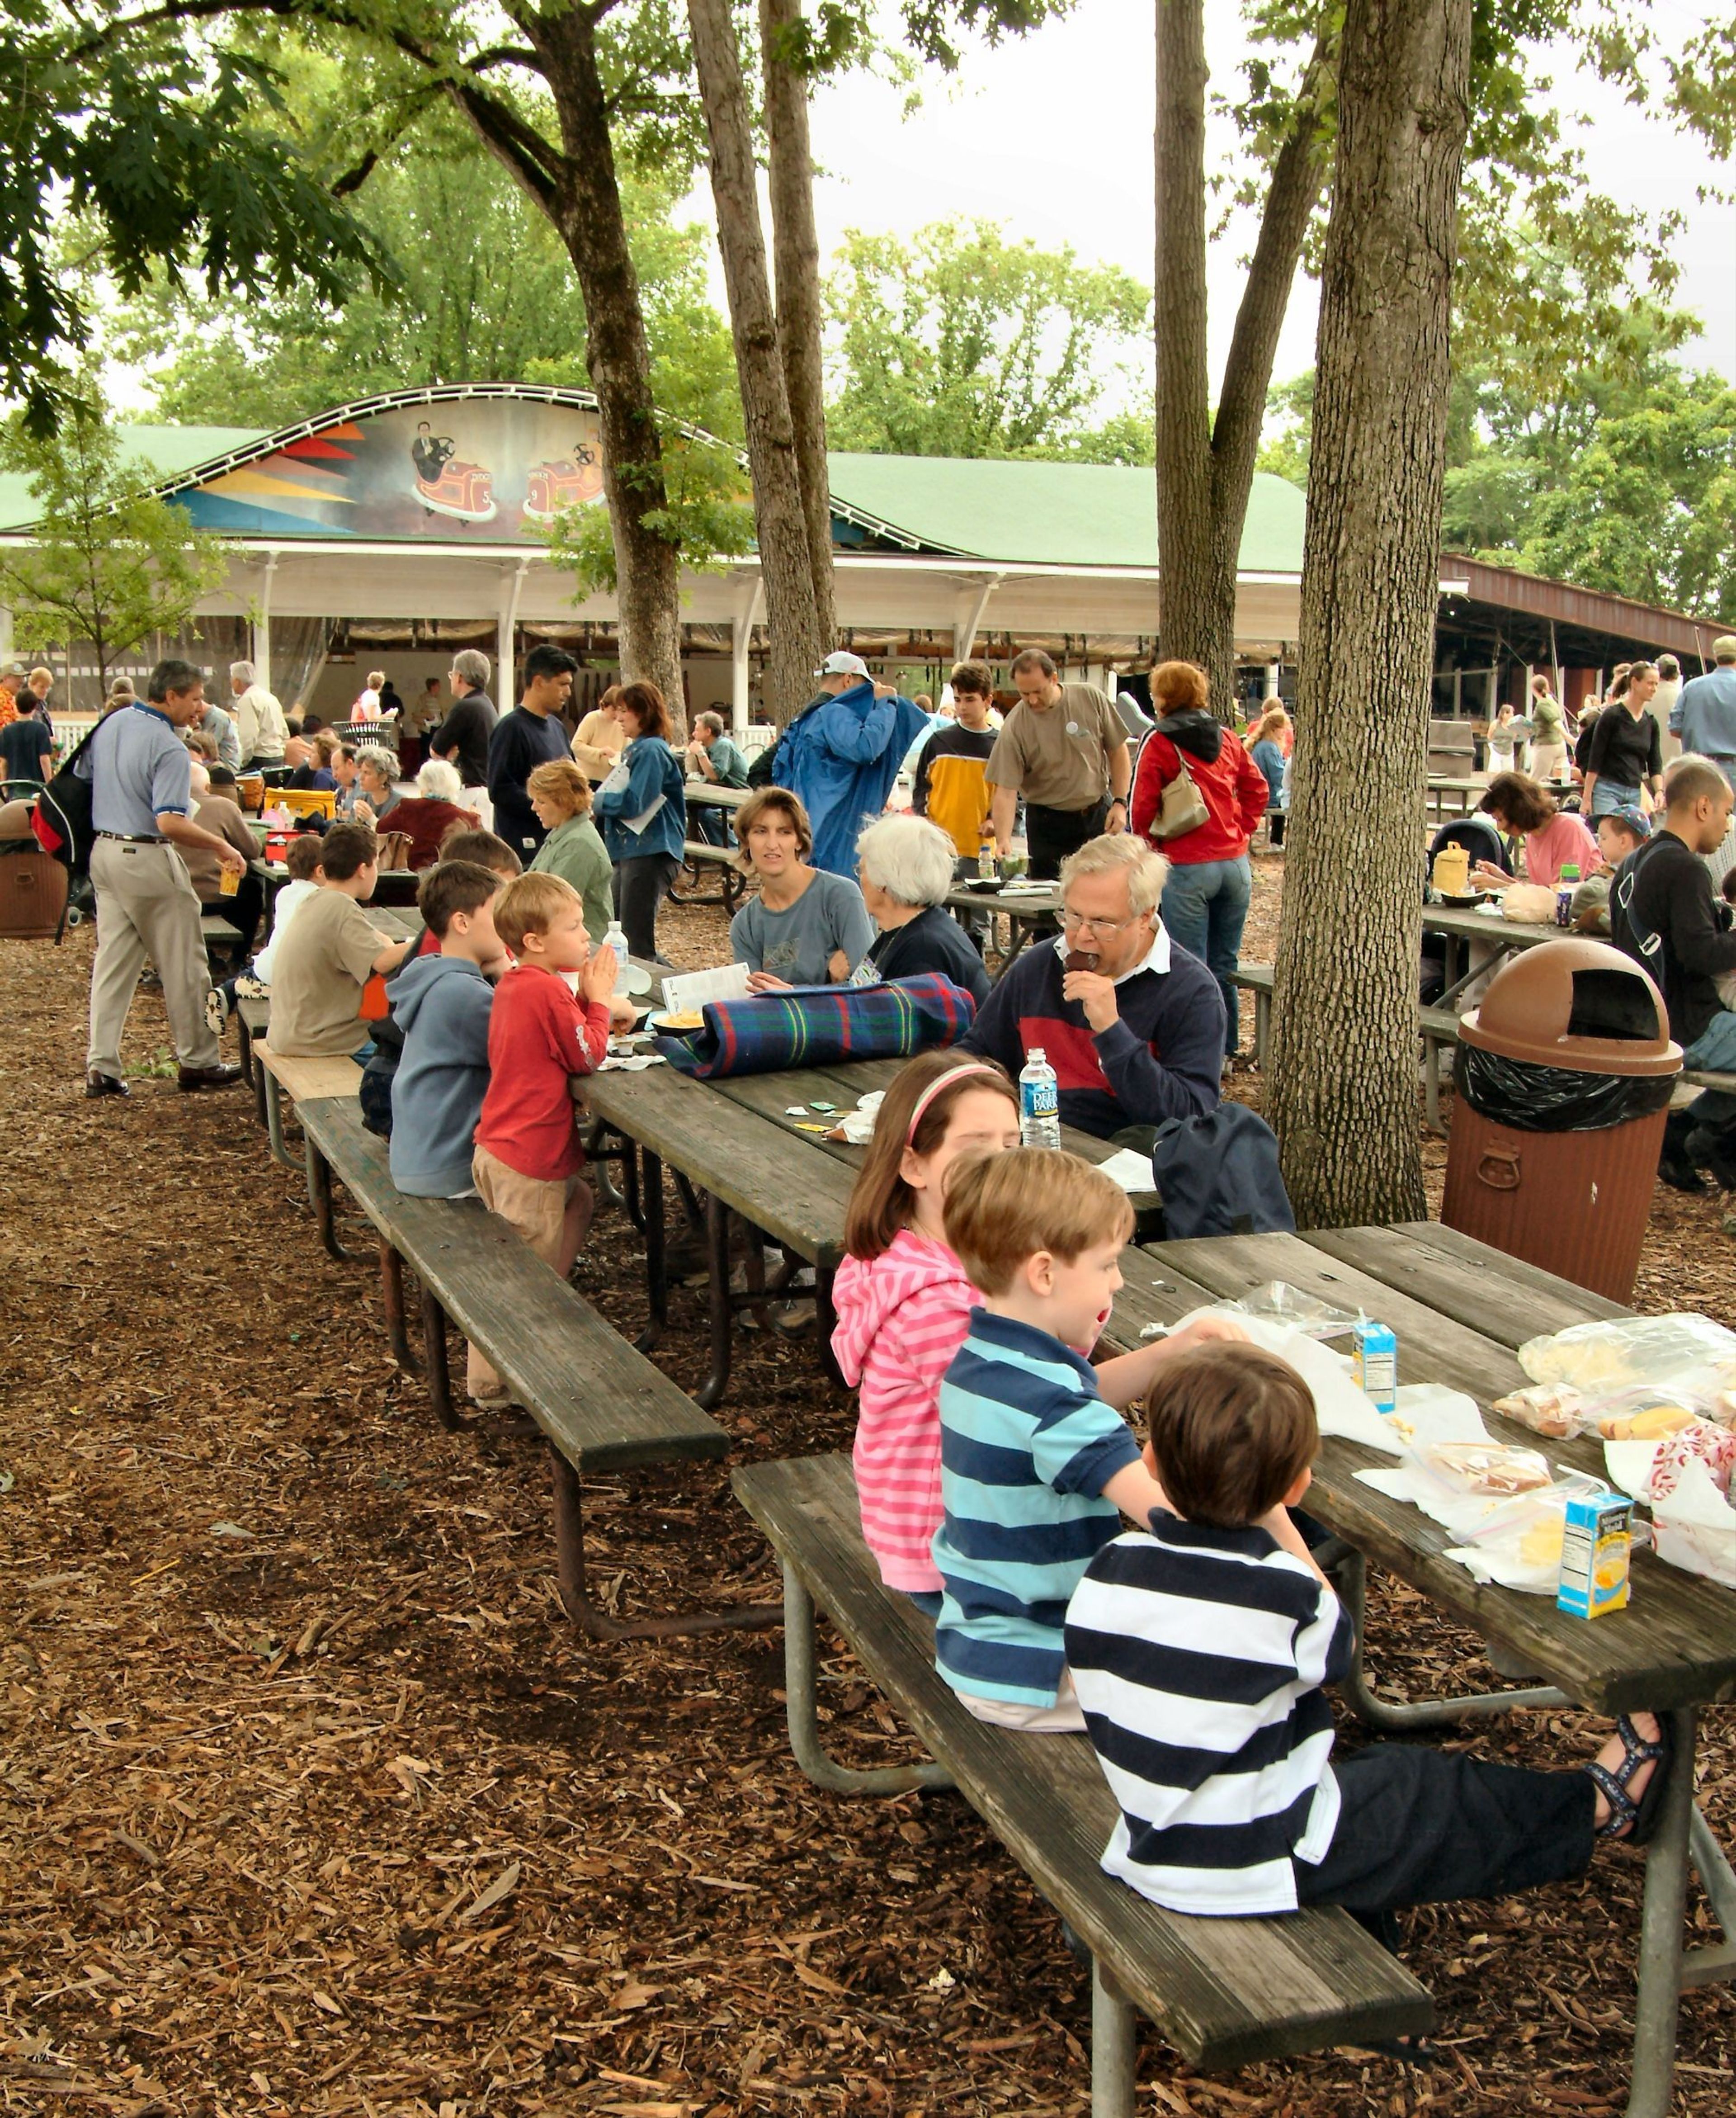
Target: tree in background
(109, 565)
(962, 343)
(1343, 1073)
(177, 159)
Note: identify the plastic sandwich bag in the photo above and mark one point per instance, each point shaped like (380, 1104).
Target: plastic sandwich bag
(1277, 1302)
(1517, 1542)
(1603, 1357)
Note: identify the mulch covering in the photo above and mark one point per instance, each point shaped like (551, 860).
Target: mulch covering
(312, 1801)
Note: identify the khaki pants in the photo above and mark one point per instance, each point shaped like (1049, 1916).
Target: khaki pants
(145, 906)
(1548, 761)
(536, 1208)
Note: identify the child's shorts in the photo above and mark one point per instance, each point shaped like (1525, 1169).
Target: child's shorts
(535, 1206)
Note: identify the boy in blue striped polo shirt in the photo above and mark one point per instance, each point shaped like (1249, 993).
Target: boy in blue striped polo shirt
(1037, 1463)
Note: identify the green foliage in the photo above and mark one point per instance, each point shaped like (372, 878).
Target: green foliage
(109, 564)
(1286, 452)
(175, 154)
(962, 343)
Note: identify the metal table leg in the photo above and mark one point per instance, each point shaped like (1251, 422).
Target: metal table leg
(570, 1572)
(722, 1320)
(274, 1120)
(1350, 1573)
(1114, 2050)
(434, 1359)
(319, 1196)
(1658, 1999)
(391, 1301)
(803, 1720)
(656, 1273)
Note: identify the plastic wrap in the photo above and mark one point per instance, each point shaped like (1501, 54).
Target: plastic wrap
(1518, 1541)
(1604, 1357)
(1528, 1097)
(1277, 1302)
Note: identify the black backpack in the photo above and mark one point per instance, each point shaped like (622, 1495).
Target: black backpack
(1218, 1176)
(63, 818)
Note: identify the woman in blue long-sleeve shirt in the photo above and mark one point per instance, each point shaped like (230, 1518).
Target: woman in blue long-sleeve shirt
(643, 813)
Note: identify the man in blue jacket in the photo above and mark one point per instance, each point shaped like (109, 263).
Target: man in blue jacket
(840, 755)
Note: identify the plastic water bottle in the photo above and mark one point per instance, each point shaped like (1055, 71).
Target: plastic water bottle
(1564, 890)
(616, 940)
(1039, 1103)
(985, 860)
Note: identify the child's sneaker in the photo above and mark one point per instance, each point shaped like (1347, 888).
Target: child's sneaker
(216, 1009)
(249, 987)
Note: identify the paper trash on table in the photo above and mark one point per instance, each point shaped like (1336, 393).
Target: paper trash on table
(1694, 1527)
(1340, 1408)
(1128, 1169)
(856, 1127)
(635, 1063)
(693, 989)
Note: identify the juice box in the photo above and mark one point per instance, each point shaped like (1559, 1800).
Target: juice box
(1596, 1547)
(1374, 1362)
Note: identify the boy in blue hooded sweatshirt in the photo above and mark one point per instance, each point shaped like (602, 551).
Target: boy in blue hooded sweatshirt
(441, 1004)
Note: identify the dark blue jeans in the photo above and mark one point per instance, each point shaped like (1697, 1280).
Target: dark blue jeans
(1205, 908)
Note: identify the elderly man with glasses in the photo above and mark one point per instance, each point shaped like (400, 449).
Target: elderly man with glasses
(1133, 1025)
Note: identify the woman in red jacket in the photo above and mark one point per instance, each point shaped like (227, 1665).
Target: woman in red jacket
(1205, 900)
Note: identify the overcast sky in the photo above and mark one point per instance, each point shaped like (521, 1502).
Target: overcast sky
(1052, 135)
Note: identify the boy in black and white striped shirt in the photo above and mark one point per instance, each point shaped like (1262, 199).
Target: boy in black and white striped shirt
(1198, 1651)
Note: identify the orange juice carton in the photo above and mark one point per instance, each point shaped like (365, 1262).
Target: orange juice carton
(1596, 1547)
(1374, 1363)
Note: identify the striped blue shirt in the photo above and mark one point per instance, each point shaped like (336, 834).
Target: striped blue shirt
(1027, 1447)
(1198, 1655)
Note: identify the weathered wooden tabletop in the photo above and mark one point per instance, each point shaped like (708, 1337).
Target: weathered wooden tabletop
(1460, 1310)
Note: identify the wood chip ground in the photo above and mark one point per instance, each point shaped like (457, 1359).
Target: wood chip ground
(311, 1802)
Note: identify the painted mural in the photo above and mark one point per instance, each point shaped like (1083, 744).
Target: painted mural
(496, 468)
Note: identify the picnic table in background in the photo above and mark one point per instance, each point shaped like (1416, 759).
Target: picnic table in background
(1461, 1309)
(712, 796)
(1462, 925)
(755, 1146)
(1024, 911)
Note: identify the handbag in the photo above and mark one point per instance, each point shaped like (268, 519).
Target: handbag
(1182, 808)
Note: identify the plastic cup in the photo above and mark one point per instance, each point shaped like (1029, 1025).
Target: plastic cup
(229, 881)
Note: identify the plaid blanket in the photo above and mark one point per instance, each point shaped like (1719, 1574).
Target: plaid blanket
(818, 1025)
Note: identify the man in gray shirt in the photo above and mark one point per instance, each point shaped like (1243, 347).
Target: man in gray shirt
(1704, 712)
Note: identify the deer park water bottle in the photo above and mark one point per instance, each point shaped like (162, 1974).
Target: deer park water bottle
(1568, 884)
(1039, 1103)
(616, 940)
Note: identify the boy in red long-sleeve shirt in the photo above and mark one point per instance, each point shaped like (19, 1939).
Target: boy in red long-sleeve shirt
(528, 1163)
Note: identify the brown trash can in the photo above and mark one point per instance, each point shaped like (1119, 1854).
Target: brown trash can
(33, 895)
(1564, 1076)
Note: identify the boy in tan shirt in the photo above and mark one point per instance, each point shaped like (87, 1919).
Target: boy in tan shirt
(322, 964)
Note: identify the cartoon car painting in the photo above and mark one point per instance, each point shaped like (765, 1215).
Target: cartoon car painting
(465, 491)
(567, 483)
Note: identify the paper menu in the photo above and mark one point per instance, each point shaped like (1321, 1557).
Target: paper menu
(693, 989)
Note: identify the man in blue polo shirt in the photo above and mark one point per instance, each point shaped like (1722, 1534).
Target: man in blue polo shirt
(1704, 712)
(141, 810)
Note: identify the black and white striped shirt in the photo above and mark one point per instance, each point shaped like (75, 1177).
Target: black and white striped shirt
(1198, 1655)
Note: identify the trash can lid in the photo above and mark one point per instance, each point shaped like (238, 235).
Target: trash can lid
(1578, 1004)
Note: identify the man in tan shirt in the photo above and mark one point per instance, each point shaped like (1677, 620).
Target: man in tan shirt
(218, 812)
(1063, 747)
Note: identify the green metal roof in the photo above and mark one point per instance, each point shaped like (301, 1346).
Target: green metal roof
(1019, 513)
(166, 452)
(1053, 513)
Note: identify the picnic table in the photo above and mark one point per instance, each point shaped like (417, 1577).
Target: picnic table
(1461, 926)
(710, 795)
(1465, 791)
(1460, 1310)
(757, 1149)
(1023, 911)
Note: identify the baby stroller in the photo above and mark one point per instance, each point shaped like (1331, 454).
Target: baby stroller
(1482, 840)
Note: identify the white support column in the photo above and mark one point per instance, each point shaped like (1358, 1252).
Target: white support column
(750, 606)
(967, 615)
(1272, 680)
(261, 657)
(505, 677)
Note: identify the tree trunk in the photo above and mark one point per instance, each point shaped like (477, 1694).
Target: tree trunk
(582, 199)
(1205, 468)
(796, 275)
(1344, 1055)
(780, 521)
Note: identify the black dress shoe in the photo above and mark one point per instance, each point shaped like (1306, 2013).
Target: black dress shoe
(98, 1084)
(223, 1076)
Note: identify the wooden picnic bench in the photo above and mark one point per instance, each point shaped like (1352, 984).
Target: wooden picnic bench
(221, 935)
(301, 1081)
(702, 861)
(1461, 1309)
(1225, 1993)
(599, 1405)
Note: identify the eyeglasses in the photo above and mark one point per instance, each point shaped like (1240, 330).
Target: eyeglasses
(1074, 921)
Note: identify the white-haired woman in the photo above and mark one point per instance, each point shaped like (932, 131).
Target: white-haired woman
(904, 864)
(428, 814)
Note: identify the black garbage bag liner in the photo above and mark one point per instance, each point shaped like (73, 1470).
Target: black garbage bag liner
(1530, 1098)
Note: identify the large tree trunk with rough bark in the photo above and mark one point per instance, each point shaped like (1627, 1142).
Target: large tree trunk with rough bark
(795, 275)
(1344, 1054)
(578, 193)
(794, 638)
(1205, 466)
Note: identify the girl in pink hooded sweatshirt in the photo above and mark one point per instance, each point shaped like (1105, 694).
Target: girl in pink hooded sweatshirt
(903, 1303)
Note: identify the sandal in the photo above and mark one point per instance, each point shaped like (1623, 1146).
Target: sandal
(1634, 1822)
